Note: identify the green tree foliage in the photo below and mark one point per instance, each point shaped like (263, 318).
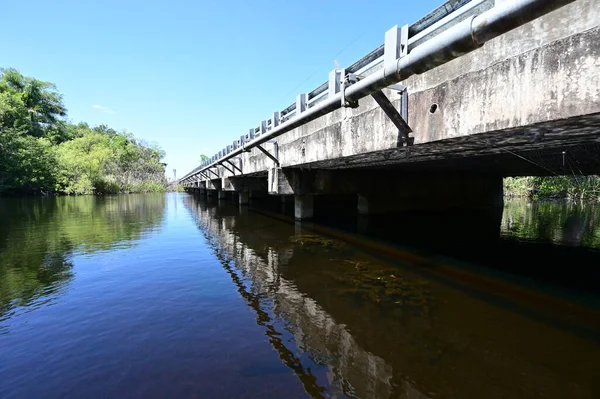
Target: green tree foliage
(40, 151)
(101, 160)
(536, 187)
(31, 106)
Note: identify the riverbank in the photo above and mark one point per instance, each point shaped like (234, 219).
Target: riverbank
(553, 187)
(43, 153)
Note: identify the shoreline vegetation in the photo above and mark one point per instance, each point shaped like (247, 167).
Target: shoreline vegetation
(42, 153)
(575, 187)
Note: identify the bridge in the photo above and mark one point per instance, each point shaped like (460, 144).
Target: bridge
(434, 117)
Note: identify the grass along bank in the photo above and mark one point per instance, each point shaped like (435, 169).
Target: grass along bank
(559, 187)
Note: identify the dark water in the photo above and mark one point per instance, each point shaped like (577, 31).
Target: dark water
(154, 296)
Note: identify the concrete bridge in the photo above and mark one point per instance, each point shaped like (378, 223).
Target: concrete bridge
(435, 117)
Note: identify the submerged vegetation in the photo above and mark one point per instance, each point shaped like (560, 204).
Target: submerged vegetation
(381, 284)
(41, 152)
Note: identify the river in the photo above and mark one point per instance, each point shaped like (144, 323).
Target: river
(154, 296)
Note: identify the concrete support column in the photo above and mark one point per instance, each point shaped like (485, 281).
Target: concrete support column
(221, 195)
(362, 205)
(211, 193)
(362, 223)
(244, 197)
(303, 207)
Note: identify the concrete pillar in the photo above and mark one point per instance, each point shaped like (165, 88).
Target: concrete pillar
(222, 195)
(362, 223)
(244, 197)
(362, 205)
(303, 207)
(211, 193)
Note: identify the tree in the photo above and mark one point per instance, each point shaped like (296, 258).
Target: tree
(40, 151)
(31, 121)
(39, 106)
(203, 158)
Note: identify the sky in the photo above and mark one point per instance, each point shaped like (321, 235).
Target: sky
(191, 76)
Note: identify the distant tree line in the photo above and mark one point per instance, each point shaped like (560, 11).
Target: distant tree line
(41, 152)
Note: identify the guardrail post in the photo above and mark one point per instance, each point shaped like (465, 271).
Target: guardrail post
(335, 79)
(403, 41)
(391, 47)
(395, 46)
(263, 127)
(300, 103)
(275, 120)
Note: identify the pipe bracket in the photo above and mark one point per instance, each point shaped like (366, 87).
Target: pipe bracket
(349, 79)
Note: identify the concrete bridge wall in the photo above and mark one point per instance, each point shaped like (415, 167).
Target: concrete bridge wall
(544, 71)
(510, 107)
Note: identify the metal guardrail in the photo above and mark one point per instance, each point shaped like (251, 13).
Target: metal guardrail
(406, 51)
(418, 32)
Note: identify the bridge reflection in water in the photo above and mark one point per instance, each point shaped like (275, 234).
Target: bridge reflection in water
(349, 323)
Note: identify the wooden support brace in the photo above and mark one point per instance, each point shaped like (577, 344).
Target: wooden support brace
(394, 115)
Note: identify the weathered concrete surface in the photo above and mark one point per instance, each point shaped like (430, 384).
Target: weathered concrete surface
(527, 102)
(304, 206)
(559, 80)
(243, 184)
(213, 184)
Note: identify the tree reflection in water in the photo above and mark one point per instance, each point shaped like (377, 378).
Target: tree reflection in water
(38, 237)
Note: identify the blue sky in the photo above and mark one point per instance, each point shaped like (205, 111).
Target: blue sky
(190, 75)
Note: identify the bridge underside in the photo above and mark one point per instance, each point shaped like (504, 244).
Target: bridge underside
(564, 147)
